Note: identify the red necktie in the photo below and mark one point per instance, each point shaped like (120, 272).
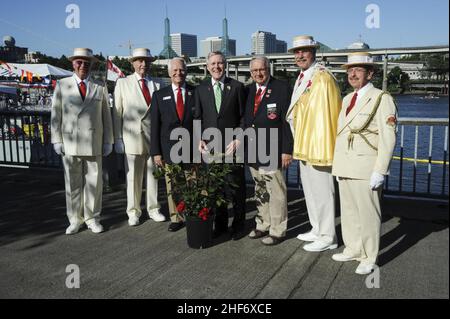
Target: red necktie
(352, 104)
(147, 96)
(258, 98)
(180, 104)
(83, 90)
(300, 77)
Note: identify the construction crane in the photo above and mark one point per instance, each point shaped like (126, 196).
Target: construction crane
(130, 45)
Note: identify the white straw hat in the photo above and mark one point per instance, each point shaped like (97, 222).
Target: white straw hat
(359, 58)
(140, 53)
(303, 41)
(84, 53)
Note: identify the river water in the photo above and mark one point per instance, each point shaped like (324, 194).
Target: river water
(415, 106)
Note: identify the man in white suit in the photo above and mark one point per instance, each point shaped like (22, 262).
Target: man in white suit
(312, 114)
(132, 98)
(81, 129)
(364, 146)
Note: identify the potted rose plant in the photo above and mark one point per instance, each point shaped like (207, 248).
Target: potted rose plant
(198, 190)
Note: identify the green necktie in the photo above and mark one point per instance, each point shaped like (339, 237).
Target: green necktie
(218, 95)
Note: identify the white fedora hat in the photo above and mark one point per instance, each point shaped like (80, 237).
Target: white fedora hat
(359, 58)
(140, 53)
(303, 41)
(82, 53)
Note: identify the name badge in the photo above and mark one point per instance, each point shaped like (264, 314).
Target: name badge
(167, 98)
(272, 112)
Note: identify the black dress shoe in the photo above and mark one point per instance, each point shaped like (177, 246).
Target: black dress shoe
(175, 226)
(219, 232)
(238, 232)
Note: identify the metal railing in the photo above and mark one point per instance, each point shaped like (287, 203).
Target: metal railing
(419, 165)
(25, 139)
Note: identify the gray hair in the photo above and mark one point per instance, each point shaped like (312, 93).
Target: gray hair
(261, 58)
(169, 64)
(213, 53)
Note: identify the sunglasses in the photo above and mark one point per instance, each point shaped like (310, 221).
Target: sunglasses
(81, 62)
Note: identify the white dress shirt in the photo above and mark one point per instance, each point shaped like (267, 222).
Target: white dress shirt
(175, 92)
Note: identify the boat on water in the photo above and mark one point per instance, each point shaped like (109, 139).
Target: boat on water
(430, 97)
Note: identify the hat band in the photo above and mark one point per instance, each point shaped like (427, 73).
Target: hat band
(304, 42)
(359, 59)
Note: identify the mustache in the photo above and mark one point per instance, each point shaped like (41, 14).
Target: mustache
(300, 59)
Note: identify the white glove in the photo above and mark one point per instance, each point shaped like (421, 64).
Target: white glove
(59, 148)
(107, 149)
(119, 147)
(376, 180)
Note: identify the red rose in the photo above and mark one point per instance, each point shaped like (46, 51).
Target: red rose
(203, 213)
(180, 207)
(309, 84)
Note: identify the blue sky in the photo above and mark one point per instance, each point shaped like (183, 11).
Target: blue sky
(104, 25)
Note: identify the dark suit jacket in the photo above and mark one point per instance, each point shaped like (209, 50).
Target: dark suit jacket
(164, 119)
(231, 114)
(271, 113)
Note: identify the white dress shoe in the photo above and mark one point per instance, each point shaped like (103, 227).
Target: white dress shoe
(156, 215)
(133, 221)
(342, 257)
(72, 229)
(364, 269)
(95, 227)
(318, 245)
(307, 237)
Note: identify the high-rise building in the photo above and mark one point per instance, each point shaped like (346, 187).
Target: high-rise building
(281, 46)
(184, 44)
(216, 44)
(264, 42)
(167, 52)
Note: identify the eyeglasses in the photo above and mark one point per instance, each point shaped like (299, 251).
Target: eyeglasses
(258, 71)
(81, 62)
(356, 70)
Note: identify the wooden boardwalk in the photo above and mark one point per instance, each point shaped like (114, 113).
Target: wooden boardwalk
(147, 261)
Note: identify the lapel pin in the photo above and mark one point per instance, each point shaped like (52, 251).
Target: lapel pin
(228, 87)
(189, 93)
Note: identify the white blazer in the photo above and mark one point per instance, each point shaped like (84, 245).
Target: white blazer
(82, 126)
(355, 158)
(129, 109)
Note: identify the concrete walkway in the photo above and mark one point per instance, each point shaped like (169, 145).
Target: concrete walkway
(149, 262)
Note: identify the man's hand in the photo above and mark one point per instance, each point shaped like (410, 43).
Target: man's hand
(202, 148)
(158, 160)
(376, 180)
(119, 147)
(59, 148)
(107, 149)
(232, 147)
(286, 160)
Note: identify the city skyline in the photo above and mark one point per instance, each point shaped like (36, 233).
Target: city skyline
(142, 23)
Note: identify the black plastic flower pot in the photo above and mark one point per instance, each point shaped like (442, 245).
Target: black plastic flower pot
(199, 232)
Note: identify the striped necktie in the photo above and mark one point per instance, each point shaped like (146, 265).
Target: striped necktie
(218, 95)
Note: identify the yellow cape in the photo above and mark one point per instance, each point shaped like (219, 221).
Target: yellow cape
(315, 117)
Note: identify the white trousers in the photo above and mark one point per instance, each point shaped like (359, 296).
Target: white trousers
(84, 187)
(135, 167)
(318, 188)
(360, 219)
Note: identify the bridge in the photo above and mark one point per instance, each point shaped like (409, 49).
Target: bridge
(334, 59)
